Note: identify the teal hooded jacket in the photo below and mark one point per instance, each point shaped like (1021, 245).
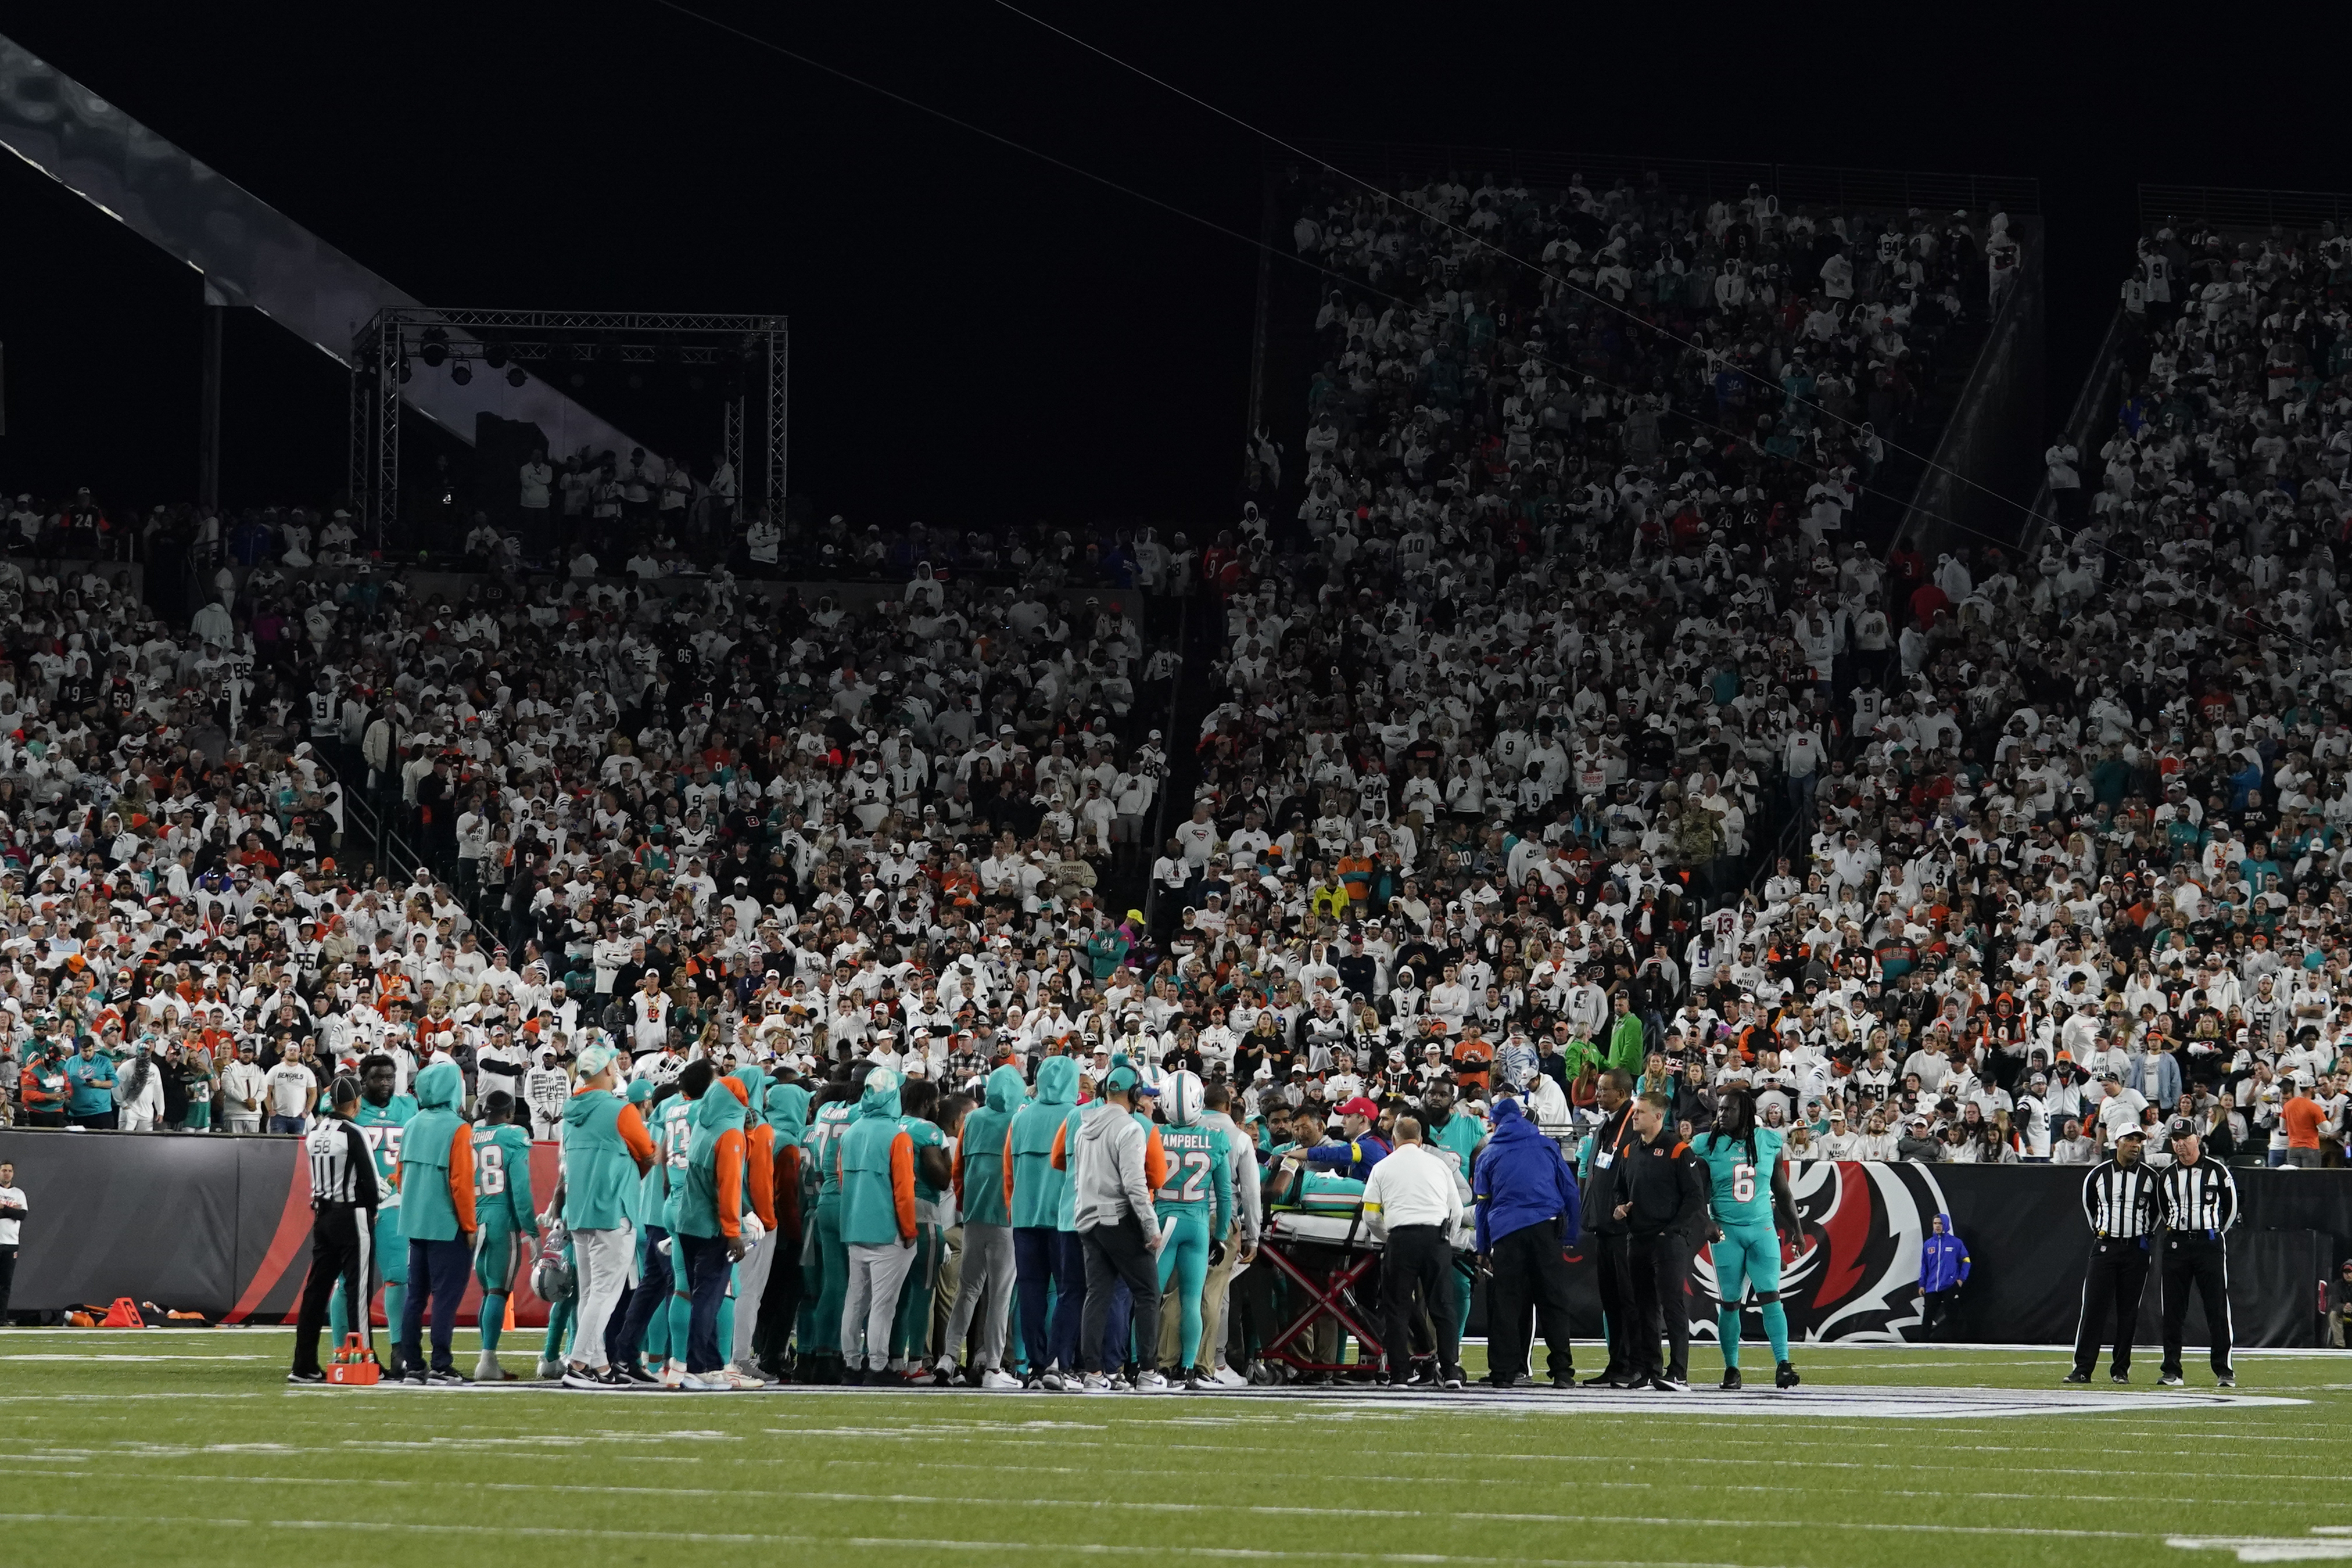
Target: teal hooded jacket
(607, 1150)
(788, 1115)
(713, 1202)
(984, 1151)
(1042, 1195)
(874, 1162)
(436, 1160)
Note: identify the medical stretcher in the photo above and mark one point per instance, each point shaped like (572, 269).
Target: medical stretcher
(1326, 1249)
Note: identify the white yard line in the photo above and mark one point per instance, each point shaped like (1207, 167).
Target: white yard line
(1099, 1505)
(878, 1543)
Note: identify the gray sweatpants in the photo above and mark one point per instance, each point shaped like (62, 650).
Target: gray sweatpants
(987, 1289)
(876, 1275)
(750, 1284)
(605, 1263)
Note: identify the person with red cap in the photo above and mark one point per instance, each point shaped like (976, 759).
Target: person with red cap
(1363, 1148)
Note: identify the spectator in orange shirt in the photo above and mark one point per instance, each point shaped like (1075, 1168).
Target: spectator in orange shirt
(2302, 1117)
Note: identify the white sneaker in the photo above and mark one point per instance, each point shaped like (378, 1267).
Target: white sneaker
(1228, 1378)
(674, 1376)
(1094, 1382)
(1150, 1383)
(548, 1370)
(742, 1380)
(998, 1378)
(487, 1369)
(714, 1382)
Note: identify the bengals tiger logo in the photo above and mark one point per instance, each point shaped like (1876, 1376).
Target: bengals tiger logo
(1855, 1273)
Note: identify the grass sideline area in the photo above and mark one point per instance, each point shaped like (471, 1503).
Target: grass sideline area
(186, 1447)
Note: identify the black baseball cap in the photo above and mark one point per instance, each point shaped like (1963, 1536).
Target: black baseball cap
(2180, 1128)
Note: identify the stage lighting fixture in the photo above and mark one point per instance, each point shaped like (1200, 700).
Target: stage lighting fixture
(404, 372)
(461, 372)
(436, 346)
(494, 353)
(515, 376)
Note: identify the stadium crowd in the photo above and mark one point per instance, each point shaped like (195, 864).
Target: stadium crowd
(1561, 731)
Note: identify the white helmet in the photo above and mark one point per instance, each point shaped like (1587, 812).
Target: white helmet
(1180, 1097)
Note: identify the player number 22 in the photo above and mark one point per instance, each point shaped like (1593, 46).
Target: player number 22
(1186, 1182)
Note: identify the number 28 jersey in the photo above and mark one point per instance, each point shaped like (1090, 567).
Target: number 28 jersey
(1743, 1188)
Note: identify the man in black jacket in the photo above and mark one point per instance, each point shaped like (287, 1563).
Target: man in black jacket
(1661, 1200)
(1603, 1176)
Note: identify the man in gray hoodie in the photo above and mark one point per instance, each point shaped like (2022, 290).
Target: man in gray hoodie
(1117, 1225)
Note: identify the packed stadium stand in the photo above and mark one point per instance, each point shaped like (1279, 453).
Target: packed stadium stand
(1580, 684)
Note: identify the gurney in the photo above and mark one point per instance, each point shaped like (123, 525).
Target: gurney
(1326, 1247)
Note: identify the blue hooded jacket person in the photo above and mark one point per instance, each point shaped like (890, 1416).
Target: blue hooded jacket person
(437, 1215)
(1528, 1214)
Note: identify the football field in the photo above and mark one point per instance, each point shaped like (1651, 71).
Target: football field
(170, 1447)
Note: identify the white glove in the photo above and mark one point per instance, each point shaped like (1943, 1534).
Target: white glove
(750, 1230)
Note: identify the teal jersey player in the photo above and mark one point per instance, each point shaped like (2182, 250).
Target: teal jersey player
(1747, 1186)
(1741, 1177)
(382, 1118)
(504, 1215)
(1194, 1206)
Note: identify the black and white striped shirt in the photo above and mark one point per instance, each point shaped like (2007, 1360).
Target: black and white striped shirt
(2203, 1197)
(342, 1171)
(2122, 1200)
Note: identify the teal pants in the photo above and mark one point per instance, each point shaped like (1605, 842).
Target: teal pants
(1184, 1258)
(910, 1331)
(1748, 1254)
(821, 1334)
(495, 1257)
(391, 1251)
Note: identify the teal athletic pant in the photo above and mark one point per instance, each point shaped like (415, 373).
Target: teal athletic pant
(1748, 1254)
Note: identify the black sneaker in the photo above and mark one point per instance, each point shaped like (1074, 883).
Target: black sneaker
(1785, 1376)
(2119, 1377)
(2170, 1380)
(1667, 1382)
(635, 1377)
(1730, 1383)
(2078, 1375)
(446, 1378)
(1451, 1380)
(1612, 1377)
(1565, 1383)
(2227, 1380)
(299, 1375)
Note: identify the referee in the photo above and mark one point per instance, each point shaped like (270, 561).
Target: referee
(2121, 1201)
(343, 1195)
(2200, 1204)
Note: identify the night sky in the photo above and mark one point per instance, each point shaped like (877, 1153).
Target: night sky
(979, 337)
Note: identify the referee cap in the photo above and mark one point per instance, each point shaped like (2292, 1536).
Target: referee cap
(2180, 1128)
(2134, 1131)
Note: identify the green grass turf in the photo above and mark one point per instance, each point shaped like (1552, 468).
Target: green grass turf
(170, 1447)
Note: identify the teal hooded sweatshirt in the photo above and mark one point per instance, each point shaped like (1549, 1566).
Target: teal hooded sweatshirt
(980, 1152)
(714, 1200)
(788, 1115)
(1042, 1195)
(430, 1159)
(601, 1178)
(875, 1163)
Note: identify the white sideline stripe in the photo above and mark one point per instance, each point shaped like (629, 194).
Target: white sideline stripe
(882, 1542)
(2313, 1548)
(110, 1398)
(1307, 1510)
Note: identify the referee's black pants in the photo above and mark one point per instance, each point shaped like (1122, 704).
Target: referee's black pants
(1531, 1277)
(2196, 1260)
(1615, 1275)
(2111, 1288)
(1417, 1276)
(1660, 1264)
(340, 1238)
